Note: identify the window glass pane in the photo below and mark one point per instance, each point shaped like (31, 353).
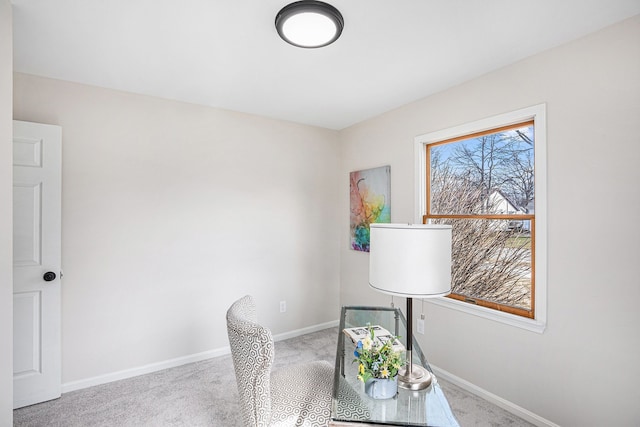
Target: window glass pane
(491, 260)
(486, 174)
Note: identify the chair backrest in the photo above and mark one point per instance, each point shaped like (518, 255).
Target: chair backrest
(252, 351)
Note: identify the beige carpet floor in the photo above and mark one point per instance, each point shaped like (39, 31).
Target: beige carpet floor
(205, 394)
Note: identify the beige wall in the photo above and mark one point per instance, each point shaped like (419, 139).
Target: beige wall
(6, 214)
(582, 370)
(171, 211)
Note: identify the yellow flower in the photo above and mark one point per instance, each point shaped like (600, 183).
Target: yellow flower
(361, 369)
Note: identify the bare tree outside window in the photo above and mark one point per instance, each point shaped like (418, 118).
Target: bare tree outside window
(483, 185)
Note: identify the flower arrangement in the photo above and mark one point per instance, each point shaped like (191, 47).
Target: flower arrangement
(377, 358)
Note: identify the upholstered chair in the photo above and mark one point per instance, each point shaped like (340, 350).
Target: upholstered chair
(297, 395)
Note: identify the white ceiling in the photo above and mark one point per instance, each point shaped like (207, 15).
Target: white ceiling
(227, 54)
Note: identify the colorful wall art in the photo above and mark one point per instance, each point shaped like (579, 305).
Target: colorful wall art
(370, 202)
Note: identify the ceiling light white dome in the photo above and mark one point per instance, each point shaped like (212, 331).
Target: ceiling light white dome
(309, 24)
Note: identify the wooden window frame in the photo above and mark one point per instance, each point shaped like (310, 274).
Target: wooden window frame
(429, 216)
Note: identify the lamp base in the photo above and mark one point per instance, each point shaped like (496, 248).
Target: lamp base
(417, 379)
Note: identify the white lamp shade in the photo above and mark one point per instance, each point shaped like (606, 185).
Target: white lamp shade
(410, 260)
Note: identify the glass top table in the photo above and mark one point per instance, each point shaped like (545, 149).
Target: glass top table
(352, 407)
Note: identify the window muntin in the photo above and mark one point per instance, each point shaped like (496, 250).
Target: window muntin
(483, 185)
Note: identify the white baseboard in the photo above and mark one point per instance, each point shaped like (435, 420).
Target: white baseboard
(492, 398)
(179, 361)
(141, 370)
(307, 330)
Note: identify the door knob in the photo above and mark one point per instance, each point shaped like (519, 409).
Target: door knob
(49, 276)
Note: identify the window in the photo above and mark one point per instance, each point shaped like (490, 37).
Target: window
(486, 179)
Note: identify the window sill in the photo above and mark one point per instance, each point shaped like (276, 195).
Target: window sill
(532, 325)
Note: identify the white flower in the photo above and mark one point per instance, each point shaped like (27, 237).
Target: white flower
(367, 343)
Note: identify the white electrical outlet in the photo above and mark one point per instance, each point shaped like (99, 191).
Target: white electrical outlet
(283, 306)
(421, 326)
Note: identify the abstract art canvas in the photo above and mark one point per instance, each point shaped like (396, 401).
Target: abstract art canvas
(370, 203)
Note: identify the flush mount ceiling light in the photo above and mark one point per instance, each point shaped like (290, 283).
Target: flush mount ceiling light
(309, 24)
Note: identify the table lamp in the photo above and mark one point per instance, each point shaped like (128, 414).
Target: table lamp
(412, 261)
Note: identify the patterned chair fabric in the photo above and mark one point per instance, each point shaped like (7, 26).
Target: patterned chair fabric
(296, 396)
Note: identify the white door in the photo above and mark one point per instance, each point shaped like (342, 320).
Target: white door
(37, 160)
